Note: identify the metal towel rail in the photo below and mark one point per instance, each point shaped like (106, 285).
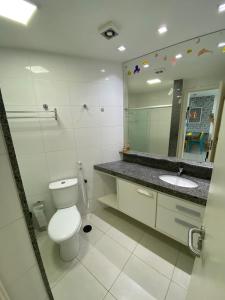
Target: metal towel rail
(55, 116)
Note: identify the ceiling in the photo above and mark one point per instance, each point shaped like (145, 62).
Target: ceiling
(191, 66)
(71, 26)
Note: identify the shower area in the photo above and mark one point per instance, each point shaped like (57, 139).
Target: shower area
(149, 128)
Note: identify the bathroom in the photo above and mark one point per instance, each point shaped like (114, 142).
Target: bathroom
(111, 156)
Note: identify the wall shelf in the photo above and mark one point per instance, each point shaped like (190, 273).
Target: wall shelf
(110, 200)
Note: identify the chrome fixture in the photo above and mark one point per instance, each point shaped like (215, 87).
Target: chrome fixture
(180, 172)
(201, 232)
(55, 114)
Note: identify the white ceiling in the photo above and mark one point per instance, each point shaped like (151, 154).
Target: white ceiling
(71, 26)
(190, 66)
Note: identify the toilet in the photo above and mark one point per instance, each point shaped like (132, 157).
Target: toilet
(65, 224)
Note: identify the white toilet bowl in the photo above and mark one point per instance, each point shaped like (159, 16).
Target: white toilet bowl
(65, 224)
(64, 229)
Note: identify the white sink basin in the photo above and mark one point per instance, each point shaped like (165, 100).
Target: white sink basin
(179, 181)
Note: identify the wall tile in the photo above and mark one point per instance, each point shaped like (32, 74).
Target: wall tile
(16, 252)
(10, 205)
(17, 91)
(90, 117)
(13, 63)
(54, 64)
(61, 164)
(51, 92)
(34, 173)
(56, 140)
(29, 286)
(29, 139)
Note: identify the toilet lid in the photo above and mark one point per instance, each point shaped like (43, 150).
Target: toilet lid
(64, 224)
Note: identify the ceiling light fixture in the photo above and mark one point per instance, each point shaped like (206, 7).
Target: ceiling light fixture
(221, 45)
(121, 48)
(17, 10)
(153, 81)
(162, 29)
(221, 8)
(103, 70)
(107, 78)
(178, 56)
(146, 66)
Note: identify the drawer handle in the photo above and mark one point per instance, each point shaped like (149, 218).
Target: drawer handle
(184, 223)
(188, 211)
(143, 192)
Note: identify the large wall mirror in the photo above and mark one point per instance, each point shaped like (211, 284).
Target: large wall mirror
(175, 99)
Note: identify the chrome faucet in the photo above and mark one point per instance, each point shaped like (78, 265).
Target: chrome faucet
(179, 173)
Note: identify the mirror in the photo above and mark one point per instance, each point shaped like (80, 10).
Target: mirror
(175, 99)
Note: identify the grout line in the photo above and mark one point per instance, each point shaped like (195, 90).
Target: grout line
(171, 279)
(120, 272)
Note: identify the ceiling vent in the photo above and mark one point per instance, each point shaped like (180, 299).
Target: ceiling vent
(108, 30)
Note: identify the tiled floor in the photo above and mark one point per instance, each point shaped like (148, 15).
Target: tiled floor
(119, 259)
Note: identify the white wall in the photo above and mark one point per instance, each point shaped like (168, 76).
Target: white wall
(19, 271)
(48, 150)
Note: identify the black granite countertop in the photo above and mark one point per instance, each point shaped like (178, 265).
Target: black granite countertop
(149, 177)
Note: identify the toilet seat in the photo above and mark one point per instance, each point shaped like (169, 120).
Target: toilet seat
(64, 224)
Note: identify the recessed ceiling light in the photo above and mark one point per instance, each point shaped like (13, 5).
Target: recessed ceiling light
(107, 78)
(103, 70)
(162, 29)
(221, 8)
(178, 56)
(221, 45)
(37, 69)
(153, 81)
(146, 65)
(17, 10)
(121, 48)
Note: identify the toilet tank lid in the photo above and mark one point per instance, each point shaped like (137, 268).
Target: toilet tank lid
(62, 184)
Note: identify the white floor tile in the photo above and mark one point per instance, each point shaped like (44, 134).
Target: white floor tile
(102, 262)
(55, 267)
(154, 284)
(93, 236)
(122, 239)
(157, 253)
(183, 270)
(126, 288)
(109, 297)
(115, 253)
(32, 279)
(78, 284)
(99, 223)
(176, 292)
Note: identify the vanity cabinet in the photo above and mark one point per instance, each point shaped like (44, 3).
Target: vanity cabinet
(137, 201)
(176, 216)
(167, 214)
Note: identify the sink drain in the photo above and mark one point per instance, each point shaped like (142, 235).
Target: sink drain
(87, 228)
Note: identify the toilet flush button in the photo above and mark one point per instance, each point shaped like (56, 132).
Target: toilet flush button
(63, 182)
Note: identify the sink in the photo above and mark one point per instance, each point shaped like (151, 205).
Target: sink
(179, 181)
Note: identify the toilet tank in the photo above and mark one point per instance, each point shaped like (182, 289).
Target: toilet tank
(64, 192)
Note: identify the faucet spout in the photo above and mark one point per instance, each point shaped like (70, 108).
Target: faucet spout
(179, 173)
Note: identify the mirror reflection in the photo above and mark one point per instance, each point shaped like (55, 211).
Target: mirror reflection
(175, 99)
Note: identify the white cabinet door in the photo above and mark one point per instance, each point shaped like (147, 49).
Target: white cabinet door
(175, 224)
(137, 201)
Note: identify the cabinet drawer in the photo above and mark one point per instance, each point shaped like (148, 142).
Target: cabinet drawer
(137, 201)
(175, 224)
(181, 206)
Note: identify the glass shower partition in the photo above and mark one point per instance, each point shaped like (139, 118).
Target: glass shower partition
(149, 129)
